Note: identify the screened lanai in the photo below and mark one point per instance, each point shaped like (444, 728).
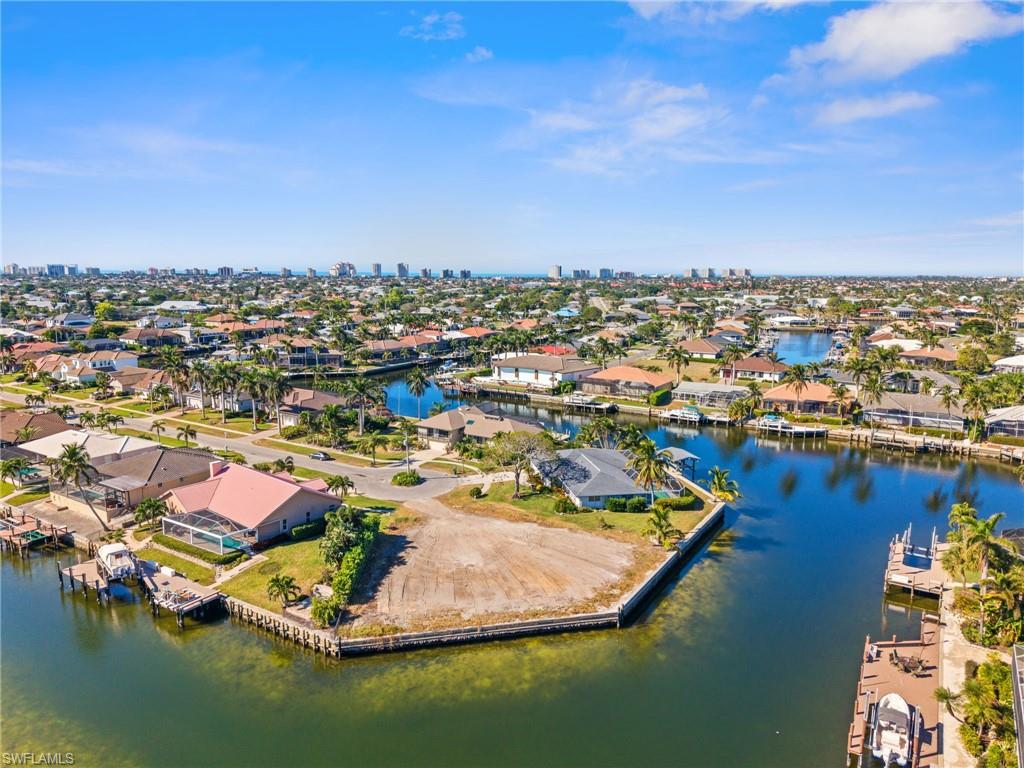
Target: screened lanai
(209, 531)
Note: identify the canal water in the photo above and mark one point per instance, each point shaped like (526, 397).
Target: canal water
(748, 659)
(803, 346)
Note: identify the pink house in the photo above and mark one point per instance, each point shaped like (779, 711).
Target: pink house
(238, 507)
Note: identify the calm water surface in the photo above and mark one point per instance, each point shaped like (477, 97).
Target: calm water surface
(803, 346)
(749, 659)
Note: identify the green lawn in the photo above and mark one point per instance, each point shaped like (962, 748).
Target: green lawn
(79, 394)
(299, 559)
(169, 442)
(239, 422)
(452, 467)
(382, 505)
(6, 488)
(198, 573)
(28, 496)
(541, 506)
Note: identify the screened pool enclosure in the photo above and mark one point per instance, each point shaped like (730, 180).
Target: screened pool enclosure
(209, 531)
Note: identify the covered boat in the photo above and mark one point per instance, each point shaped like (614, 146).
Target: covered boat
(116, 560)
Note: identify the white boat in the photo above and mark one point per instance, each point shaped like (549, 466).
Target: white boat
(116, 560)
(892, 736)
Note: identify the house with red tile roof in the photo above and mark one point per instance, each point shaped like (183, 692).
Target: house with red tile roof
(626, 381)
(757, 368)
(814, 398)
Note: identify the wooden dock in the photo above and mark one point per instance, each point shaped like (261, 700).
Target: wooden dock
(176, 594)
(909, 668)
(20, 532)
(916, 569)
(789, 429)
(88, 575)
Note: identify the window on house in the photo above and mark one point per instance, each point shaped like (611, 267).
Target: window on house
(307, 516)
(284, 525)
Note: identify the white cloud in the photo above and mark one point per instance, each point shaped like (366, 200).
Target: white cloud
(479, 54)
(563, 120)
(843, 111)
(890, 38)
(1001, 221)
(753, 185)
(436, 26)
(705, 12)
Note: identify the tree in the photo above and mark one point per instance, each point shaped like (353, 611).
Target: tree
(407, 431)
(659, 526)
(11, 469)
(200, 376)
(287, 464)
(340, 485)
(871, 391)
(417, 383)
(187, 433)
(224, 378)
(363, 391)
(628, 437)
(798, 377)
(73, 466)
(149, 509)
(282, 587)
(731, 355)
(980, 541)
(649, 464)
(105, 310)
(976, 403)
(678, 358)
(161, 393)
(971, 358)
(948, 397)
(949, 700)
(158, 427)
(26, 433)
(369, 444)
(516, 451)
(721, 486)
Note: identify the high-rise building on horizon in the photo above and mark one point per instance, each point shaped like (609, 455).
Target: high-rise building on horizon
(403, 269)
(310, 272)
(605, 273)
(425, 273)
(342, 269)
(285, 272)
(555, 272)
(465, 274)
(447, 274)
(375, 269)
(581, 274)
(225, 271)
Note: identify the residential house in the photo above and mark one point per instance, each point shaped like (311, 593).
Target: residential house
(703, 349)
(814, 398)
(152, 337)
(238, 506)
(1014, 364)
(708, 394)
(904, 409)
(541, 371)
(591, 476)
(149, 474)
(934, 357)
(132, 380)
(1006, 421)
(626, 381)
(70, 320)
(43, 425)
(299, 401)
(756, 368)
(476, 423)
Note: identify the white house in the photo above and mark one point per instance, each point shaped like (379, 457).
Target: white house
(1013, 364)
(541, 370)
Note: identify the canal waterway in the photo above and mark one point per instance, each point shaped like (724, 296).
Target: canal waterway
(803, 346)
(749, 658)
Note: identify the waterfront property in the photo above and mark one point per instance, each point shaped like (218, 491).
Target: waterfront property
(814, 398)
(239, 507)
(591, 476)
(15, 424)
(709, 394)
(477, 423)
(148, 474)
(542, 371)
(904, 409)
(755, 368)
(626, 381)
(299, 401)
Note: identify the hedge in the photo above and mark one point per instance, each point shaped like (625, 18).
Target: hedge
(660, 398)
(354, 560)
(615, 504)
(1006, 440)
(308, 530)
(207, 557)
(636, 504)
(406, 478)
(677, 503)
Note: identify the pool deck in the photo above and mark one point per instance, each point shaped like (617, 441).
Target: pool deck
(879, 676)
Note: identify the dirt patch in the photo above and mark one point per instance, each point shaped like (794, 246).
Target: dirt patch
(448, 566)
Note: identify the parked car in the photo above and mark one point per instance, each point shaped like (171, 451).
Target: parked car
(320, 456)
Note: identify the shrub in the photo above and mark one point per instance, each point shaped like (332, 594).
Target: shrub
(677, 503)
(564, 506)
(615, 504)
(291, 433)
(308, 530)
(406, 478)
(1006, 440)
(659, 398)
(636, 504)
(354, 560)
(324, 611)
(476, 492)
(207, 557)
(970, 739)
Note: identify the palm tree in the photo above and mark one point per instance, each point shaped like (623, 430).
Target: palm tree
(659, 525)
(721, 486)
(252, 379)
(948, 699)
(871, 391)
(160, 392)
(840, 392)
(417, 384)
(275, 387)
(976, 403)
(158, 427)
(74, 466)
(678, 358)
(287, 464)
(200, 376)
(948, 398)
(980, 541)
(340, 485)
(11, 469)
(149, 509)
(369, 444)
(363, 391)
(731, 355)
(224, 378)
(628, 437)
(282, 587)
(26, 433)
(798, 377)
(649, 464)
(187, 433)
(171, 361)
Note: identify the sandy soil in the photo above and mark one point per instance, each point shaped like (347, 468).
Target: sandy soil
(454, 564)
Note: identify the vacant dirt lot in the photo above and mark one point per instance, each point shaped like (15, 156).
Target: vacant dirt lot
(451, 565)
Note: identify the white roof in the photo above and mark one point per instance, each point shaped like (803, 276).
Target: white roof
(1016, 360)
(907, 345)
(96, 444)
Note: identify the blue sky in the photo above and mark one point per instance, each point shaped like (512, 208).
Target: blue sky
(784, 136)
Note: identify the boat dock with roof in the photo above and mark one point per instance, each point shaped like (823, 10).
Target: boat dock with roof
(916, 569)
